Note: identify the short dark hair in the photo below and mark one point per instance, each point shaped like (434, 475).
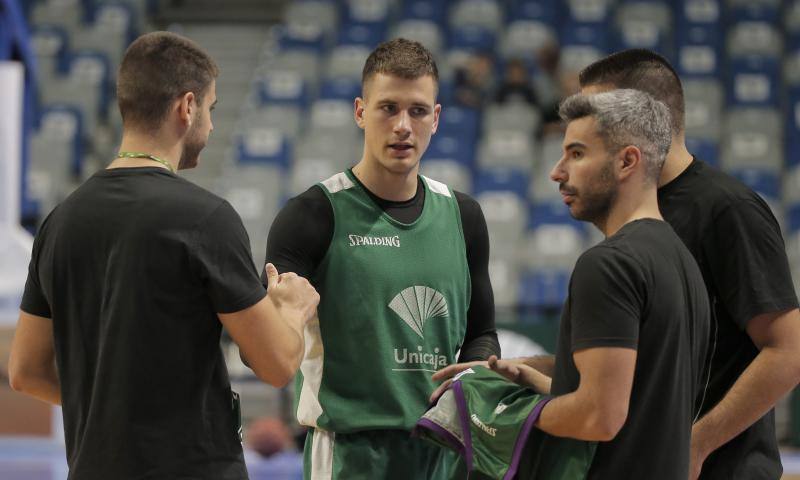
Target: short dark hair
(643, 70)
(158, 68)
(401, 58)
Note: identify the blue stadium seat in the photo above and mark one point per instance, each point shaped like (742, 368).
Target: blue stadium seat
(704, 149)
(698, 50)
(593, 34)
(792, 134)
(793, 217)
(544, 289)
(302, 40)
(461, 121)
(473, 39)
(366, 34)
(546, 11)
(753, 12)
(340, 89)
(707, 12)
(283, 87)
(766, 182)
(454, 146)
(496, 179)
(753, 81)
(263, 146)
(367, 11)
(434, 10)
(588, 11)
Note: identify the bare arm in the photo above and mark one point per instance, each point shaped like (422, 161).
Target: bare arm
(772, 374)
(270, 333)
(31, 366)
(597, 410)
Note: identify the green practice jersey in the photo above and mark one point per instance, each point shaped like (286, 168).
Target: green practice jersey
(393, 310)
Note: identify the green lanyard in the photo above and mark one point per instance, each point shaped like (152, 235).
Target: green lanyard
(147, 156)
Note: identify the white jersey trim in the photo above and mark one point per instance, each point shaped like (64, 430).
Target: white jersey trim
(322, 443)
(338, 182)
(308, 407)
(436, 187)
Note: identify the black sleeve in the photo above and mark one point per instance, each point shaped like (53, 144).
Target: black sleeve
(748, 262)
(301, 234)
(33, 299)
(608, 294)
(480, 340)
(225, 263)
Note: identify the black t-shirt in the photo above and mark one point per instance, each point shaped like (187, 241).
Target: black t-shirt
(641, 289)
(737, 243)
(302, 232)
(133, 268)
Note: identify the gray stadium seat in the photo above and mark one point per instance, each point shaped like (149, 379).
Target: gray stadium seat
(425, 32)
(507, 148)
(643, 23)
(704, 104)
(51, 157)
(285, 118)
(108, 33)
(791, 186)
(504, 275)
(346, 61)
(487, 14)
(450, 172)
(67, 13)
(791, 70)
(506, 217)
(309, 18)
(309, 171)
(589, 10)
(523, 38)
(542, 188)
(343, 150)
(575, 58)
(752, 138)
(332, 115)
(516, 116)
(369, 10)
(256, 193)
(303, 62)
(754, 38)
(552, 246)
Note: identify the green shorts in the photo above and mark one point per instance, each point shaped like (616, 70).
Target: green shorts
(377, 454)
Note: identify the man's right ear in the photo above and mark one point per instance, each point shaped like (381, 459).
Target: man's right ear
(359, 108)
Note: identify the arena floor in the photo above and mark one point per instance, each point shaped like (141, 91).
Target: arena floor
(30, 459)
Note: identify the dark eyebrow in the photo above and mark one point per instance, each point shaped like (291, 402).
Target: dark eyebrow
(574, 145)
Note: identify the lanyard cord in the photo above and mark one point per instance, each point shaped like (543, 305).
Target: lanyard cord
(147, 156)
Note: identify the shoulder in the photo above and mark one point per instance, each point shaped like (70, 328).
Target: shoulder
(722, 191)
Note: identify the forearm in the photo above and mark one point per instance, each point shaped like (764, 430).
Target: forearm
(574, 417)
(543, 363)
(771, 375)
(44, 385)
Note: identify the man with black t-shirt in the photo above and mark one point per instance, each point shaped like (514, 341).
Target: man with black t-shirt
(401, 263)
(132, 278)
(754, 355)
(634, 328)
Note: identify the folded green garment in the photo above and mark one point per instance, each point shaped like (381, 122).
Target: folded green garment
(490, 422)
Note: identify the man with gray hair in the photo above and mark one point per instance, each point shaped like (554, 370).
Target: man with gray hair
(634, 327)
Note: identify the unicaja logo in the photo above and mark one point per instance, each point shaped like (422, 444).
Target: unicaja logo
(416, 305)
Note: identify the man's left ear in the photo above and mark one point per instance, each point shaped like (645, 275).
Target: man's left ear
(630, 157)
(437, 111)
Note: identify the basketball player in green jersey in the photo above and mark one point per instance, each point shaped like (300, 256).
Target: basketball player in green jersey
(401, 263)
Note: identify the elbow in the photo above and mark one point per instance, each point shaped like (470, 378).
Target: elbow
(279, 375)
(604, 424)
(17, 380)
(281, 370)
